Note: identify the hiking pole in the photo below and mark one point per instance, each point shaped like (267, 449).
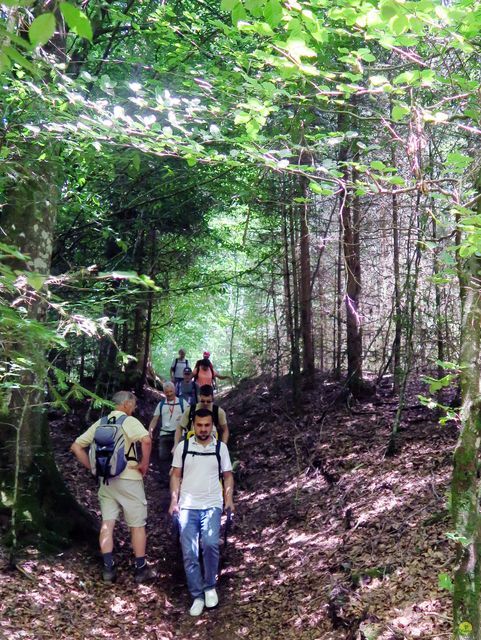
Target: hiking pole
(228, 525)
(175, 533)
(175, 528)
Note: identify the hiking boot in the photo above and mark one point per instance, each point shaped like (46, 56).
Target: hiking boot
(109, 574)
(144, 574)
(197, 607)
(211, 598)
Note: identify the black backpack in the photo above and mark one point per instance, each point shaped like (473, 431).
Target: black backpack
(176, 361)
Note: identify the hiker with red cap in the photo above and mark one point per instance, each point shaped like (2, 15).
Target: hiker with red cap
(204, 372)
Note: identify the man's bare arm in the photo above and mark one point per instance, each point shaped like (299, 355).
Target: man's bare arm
(153, 425)
(81, 454)
(228, 490)
(175, 480)
(143, 465)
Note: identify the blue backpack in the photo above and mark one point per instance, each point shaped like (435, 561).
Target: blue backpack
(107, 451)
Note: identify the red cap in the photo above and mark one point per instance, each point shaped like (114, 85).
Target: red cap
(206, 354)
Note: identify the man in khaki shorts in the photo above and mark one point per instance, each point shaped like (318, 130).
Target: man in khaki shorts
(125, 491)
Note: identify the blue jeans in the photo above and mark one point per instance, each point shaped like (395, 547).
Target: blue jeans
(206, 524)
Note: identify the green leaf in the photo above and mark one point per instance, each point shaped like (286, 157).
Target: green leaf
(42, 29)
(445, 582)
(36, 280)
(238, 13)
(377, 165)
(388, 11)
(378, 81)
(16, 56)
(273, 13)
(228, 5)
(5, 64)
(398, 112)
(17, 3)
(297, 49)
(76, 20)
(399, 24)
(458, 160)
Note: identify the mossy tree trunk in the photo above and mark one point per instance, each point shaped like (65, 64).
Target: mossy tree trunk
(466, 483)
(32, 492)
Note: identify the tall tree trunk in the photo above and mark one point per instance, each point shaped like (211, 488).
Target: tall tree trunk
(438, 300)
(305, 289)
(397, 289)
(296, 350)
(289, 281)
(42, 510)
(350, 219)
(338, 305)
(465, 488)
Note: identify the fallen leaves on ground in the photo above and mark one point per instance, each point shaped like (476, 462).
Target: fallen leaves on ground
(332, 540)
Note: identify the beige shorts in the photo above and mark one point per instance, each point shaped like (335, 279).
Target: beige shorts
(128, 494)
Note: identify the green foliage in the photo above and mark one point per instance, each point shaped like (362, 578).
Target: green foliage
(76, 20)
(445, 582)
(42, 29)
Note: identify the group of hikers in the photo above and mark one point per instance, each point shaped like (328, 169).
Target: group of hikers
(191, 434)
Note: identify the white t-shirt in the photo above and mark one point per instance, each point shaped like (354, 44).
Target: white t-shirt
(171, 415)
(179, 367)
(200, 488)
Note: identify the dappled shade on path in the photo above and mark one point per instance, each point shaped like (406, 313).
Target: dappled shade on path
(330, 538)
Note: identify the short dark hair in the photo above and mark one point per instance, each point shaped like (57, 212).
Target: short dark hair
(206, 390)
(203, 413)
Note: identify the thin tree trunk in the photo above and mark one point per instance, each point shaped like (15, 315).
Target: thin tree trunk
(350, 219)
(305, 289)
(465, 487)
(412, 278)
(338, 304)
(295, 352)
(397, 288)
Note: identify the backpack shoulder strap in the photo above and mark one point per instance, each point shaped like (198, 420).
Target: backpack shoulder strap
(181, 402)
(184, 455)
(191, 414)
(128, 456)
(217, 455)
(215, 414)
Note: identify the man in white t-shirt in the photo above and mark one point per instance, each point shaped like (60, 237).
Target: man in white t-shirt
(168, 412)
(125, 491)
(196, 497)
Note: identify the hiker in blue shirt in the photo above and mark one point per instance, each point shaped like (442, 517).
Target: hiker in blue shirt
(188, 389)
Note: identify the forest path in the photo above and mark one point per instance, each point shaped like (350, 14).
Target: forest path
(332, 541)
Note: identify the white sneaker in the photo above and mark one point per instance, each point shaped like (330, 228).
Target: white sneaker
(211, 598)
(197, 607)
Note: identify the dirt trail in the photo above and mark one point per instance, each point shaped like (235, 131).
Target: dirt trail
(332, 541)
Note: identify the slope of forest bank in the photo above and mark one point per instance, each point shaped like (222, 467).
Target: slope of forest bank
(332, 540)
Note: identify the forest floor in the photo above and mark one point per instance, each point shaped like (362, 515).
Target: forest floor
(332, 540)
